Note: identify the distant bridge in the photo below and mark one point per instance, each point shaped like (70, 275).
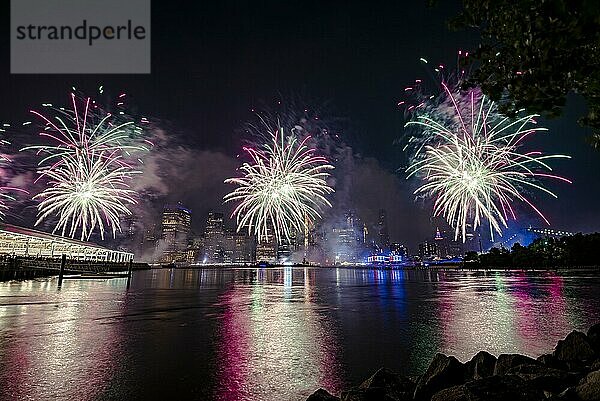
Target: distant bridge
(28, 243)
(549, 232)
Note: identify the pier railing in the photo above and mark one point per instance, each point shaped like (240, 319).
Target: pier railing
(75, 266)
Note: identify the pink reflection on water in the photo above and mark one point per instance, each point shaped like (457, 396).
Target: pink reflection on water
(535, 320)
(69, 354)
(519, 312)
(269, 344)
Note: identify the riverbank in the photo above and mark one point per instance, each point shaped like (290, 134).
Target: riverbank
(570, 373)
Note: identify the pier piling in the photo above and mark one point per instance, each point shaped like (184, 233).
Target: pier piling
(129, 272)
(63, 262)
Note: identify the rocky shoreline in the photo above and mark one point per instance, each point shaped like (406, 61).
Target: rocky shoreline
(570, 373)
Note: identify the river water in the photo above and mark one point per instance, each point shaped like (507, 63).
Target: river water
(276, 334)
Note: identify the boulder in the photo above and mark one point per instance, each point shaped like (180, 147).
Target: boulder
(480, 366)
(502, 388)
(454, 393)
(575, 347)
(588, 388)
(567, 395)
(443, 372)
(395, 386)
(322, 395)
(593, 336)
(507, 361)
(545, 378)
(550, 361)
(365, 394)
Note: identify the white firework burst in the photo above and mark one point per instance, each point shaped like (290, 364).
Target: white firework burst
(283, 188)
(472, 164)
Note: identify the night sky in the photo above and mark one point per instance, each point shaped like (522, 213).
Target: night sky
(212, 62)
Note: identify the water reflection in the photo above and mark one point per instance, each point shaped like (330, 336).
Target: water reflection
(48, 336)
(274, 340)
(508, 312)
(270, 334)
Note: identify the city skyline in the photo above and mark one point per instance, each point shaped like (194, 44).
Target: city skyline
(348, 241)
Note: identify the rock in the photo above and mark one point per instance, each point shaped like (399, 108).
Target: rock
(443, 372)
(545, 378)
(550, 361)
(493, 388)
(567, 395)
(575, 347)
(322, 395)
(455, 393)
(480, 366)
(365, 394)
(507, 361)
(588, 388)
(593, 336)
(395, 386)
(501, 388)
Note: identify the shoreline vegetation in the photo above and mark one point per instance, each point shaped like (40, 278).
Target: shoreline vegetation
(570, 373)
(573, 250)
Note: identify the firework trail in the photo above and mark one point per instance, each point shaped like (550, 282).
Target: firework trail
(87, 128)
(281, 189)
(471, 161)
(428, 97)
(307, 117)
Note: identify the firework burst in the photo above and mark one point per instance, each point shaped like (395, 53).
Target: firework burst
(471, 161)
(91, 157)
(283, 188)
(85, 192)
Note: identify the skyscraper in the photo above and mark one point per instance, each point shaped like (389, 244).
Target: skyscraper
(214, 237)
(383, 237)
(348, 239)
(175, 232)
(266, 249)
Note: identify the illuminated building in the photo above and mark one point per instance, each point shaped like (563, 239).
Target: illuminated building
(427, 250)
(20, 241)
(383, 237)
(441, 245)
(237, 248)
(194, 249)
(382, 259)
(286, 248)
(214, 236)
(176, 228)
(266, 250)
(348, 240)
(243, 249)
(222, 246)
(398, 249)
(149, 241)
